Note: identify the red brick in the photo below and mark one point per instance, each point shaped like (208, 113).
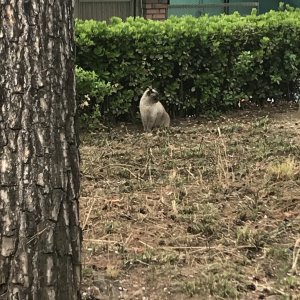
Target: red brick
(152, 11)
(148, 16)
(149, 5)
(151, 1)
(159, 17)
(158, 5)
(162, 11)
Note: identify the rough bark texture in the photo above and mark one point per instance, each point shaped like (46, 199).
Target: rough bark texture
(39, 181)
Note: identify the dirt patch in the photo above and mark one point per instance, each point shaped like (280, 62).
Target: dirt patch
(208, 210)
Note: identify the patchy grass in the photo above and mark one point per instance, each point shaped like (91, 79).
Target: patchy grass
(287, 169)
(207, 210)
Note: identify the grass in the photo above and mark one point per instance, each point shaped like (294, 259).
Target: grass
(288, 169)
(206, 210)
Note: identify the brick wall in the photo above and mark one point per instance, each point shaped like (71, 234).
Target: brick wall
(155, 9)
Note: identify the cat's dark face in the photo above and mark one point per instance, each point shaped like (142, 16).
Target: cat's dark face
(153, 94)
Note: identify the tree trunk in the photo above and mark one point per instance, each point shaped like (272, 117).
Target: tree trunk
(39, 180)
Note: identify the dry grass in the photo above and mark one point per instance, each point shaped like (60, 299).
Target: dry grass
(207, 210)
(288, 169)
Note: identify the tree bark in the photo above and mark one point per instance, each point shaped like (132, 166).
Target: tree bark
(40, 236)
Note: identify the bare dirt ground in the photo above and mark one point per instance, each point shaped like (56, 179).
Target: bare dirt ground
(208, 210)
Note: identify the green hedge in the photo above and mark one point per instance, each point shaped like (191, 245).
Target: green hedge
(197, 64)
